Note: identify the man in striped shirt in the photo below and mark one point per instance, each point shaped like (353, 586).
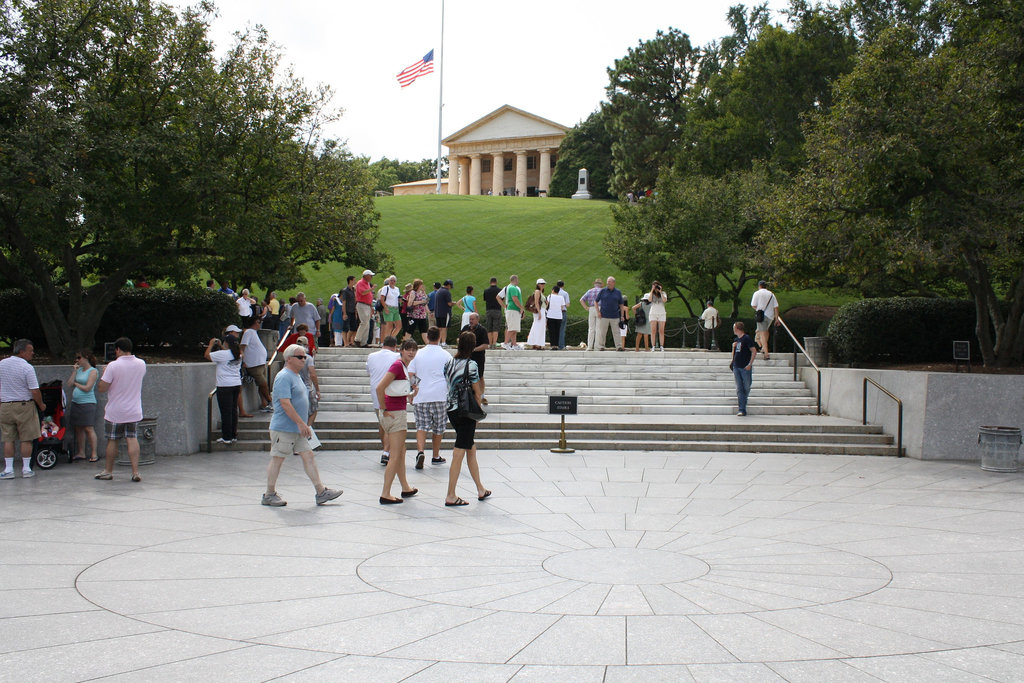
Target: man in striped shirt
(19, 399)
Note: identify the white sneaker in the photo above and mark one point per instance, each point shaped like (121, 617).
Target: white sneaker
(7, 475)
(27, 474)
(223, 440)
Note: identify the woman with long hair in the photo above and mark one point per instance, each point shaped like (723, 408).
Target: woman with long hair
(416, 307)
(657, 316)
(394, 421)
(465, 428)
(536, 336)
(227, 356)
(84, 376)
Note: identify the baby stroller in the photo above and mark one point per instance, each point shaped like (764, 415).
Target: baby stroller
(50, 444)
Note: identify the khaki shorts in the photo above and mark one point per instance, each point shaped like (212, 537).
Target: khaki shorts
(283, 444)
(258, 373)
(19, 421)
(513, 320)
(397, 421)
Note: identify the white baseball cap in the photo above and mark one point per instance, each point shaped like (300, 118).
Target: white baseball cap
(368, 272)
(540, 281)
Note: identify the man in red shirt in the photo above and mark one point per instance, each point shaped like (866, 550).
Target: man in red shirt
(364, 307)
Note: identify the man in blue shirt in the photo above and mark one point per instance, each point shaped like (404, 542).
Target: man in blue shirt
(611, 308)
(289, 431)
(742, 364)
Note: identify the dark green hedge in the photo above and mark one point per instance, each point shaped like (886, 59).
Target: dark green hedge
(149, 317)
(901, 329)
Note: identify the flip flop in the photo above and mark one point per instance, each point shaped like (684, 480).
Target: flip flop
(78, 458)
(93, 460)
(486, 493)
(458, 502)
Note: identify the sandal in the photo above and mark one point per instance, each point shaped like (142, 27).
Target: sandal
(105, 476)
(78, 458)
(486, 493)
(93, 460)
(457, 503)
(136, 477)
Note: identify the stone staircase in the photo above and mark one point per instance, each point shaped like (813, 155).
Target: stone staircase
(670, 401)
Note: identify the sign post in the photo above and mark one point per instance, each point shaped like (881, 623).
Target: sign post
(562, 405)
(962, 354)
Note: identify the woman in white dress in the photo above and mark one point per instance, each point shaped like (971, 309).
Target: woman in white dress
(537, 329)
(657, 316)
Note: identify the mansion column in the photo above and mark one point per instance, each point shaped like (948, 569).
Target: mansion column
(497, 174)
(453, 174)
(474, 174)
(464, 172)
(521, 173)
(545, 171)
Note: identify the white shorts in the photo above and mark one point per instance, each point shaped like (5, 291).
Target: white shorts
(513, 320)
(658, 317)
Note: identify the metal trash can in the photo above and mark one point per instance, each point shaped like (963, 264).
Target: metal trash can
(999, 448)
(817, 350)
(147, 444)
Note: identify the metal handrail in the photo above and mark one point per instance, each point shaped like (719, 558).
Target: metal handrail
(798, 345)
(899, 407)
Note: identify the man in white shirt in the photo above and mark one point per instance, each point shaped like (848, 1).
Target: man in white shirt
(390, 313)
(764, 300)
(244, 304)
(19, 399)
(430, 404)
(254, 360)
(377, 364)
(565, 313)
(709, 322)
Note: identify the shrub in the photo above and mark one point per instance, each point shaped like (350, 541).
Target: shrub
(901, 329)
(149, 317)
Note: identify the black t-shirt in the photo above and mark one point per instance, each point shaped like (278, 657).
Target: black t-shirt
(491, 298)
(348, 299)
(442, 303)
(741, 347)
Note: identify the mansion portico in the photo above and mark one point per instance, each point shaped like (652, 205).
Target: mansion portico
(509, 151)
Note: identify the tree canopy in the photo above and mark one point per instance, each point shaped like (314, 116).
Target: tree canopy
(916, 174)
(588, 145)
(128, 150)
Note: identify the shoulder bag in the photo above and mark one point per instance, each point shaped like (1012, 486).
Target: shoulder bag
(468, 405)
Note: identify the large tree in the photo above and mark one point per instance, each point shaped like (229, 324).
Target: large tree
(696, 236)
(917, 172)
(127, 150)
(645, 111)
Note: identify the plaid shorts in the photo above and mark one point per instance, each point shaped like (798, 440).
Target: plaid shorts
(123, 430)
(431, 417)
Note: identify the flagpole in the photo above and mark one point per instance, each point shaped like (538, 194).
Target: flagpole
(440, 101)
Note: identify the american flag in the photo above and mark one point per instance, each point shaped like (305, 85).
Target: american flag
(420, 68)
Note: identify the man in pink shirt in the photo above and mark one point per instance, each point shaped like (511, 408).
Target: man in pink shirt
(122, 382)
(364, 307)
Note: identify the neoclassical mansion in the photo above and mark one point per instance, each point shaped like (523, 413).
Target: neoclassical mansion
(509, 151)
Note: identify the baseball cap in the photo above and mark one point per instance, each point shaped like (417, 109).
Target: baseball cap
(368, 272)
(233, 328)
(449, 282)
(540, 281)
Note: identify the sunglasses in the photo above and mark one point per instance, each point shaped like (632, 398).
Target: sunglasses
(299, 357)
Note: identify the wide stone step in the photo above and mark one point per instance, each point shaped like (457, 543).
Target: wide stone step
(483, 445)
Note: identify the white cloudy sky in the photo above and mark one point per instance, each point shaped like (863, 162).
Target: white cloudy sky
(545, 56)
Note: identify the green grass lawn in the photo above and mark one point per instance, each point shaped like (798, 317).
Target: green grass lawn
(473, 238)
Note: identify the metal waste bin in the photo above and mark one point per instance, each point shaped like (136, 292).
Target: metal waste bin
(999, 448)
(147, 444)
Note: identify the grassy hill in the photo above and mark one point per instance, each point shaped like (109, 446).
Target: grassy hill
(473, 238)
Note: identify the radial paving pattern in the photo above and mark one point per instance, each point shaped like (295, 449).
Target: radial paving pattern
(604, 567)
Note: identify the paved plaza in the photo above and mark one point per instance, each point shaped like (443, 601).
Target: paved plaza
(610, 566)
